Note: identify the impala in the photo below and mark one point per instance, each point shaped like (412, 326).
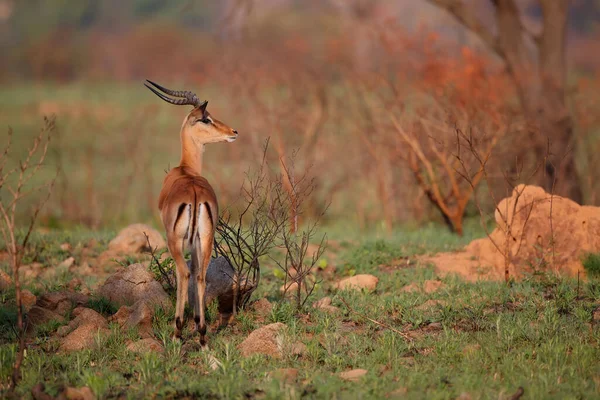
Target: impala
(188, 204)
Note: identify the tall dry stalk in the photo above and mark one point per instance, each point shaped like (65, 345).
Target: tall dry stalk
(17, 183)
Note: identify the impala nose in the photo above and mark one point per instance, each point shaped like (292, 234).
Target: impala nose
(234, 131)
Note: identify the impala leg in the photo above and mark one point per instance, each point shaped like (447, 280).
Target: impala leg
(182, 274)
(206, 243)
(202, 252)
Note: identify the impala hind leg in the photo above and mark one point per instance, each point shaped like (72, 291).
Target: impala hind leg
(182, 274)
(201, 254)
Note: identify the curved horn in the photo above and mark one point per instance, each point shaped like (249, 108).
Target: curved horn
(189, 98)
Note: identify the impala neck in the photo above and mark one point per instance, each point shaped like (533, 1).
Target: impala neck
(191, 153)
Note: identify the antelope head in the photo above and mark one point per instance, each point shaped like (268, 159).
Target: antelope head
(198, 124)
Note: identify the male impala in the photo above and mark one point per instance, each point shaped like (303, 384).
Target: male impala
(188, 204)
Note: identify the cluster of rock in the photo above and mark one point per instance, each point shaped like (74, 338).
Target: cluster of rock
(137, 294)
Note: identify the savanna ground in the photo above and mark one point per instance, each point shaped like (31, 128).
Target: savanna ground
(475, 340)
(113, 143)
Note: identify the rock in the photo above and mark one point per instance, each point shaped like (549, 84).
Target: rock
(83, 393)
(141, 318)
(83, 316)
(464, 396)
(361, 281)
(138, 316)
(131, 240)
(67, 263)
(432, 286)
(61, 302)
(121, 316)
(56, 301)
(287, 375)
(38, 316)
(353, 375)
(263, 340)
(534, 243)
(145, 346)
(262, 307)
(220, 285)
(325, 305)
(28, 299)
(5, 280)
(82, 338)
(132, 284)
(65, 247)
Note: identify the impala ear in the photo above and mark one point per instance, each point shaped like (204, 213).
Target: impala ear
(203, 106)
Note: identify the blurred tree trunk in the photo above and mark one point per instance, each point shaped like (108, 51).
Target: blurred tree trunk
(540, 79)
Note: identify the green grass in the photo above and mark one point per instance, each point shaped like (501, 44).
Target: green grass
(591, 264)
(485, 339)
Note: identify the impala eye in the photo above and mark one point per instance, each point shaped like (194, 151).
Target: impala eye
(205, 120)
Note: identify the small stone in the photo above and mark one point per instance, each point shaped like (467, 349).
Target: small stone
(262, 307)
(67, 263)
(131, 240)
(28, 299)
(83, 316)
(263, 341)
(38, 316)
(362, 281)
(353, 375)
(325, 305)
(121, 316)
(61, 302)
(83, 337)
(141, 318)
(146, 345)
(464, 396)
(65, 247)
(132, 284)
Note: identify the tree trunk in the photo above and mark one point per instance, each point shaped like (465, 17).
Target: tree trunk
(542, 93)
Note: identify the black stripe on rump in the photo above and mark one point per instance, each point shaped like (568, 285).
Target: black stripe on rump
(210, 214)
(179, 212)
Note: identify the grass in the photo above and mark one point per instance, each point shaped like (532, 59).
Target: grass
(485, 339)
(591, 264)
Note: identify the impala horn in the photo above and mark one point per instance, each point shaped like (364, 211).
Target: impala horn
(188, 98)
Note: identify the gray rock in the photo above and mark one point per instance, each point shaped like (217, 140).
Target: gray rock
(132, 284)
(220, 286)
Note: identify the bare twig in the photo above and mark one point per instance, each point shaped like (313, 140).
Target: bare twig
(18, 189)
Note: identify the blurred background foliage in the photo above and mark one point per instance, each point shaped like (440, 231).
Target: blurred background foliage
(320, 78)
